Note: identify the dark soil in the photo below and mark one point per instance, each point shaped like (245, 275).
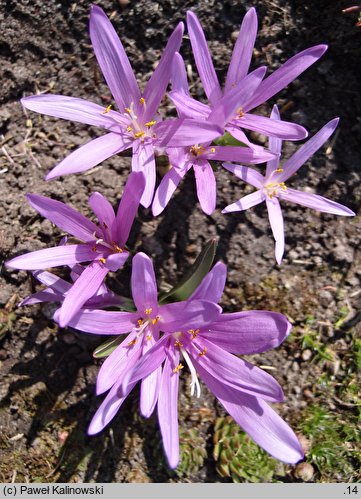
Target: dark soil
(47, 391)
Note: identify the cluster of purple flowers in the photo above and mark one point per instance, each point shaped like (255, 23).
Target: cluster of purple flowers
(163, 338)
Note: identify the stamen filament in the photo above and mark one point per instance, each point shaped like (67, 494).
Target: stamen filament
(194, 381)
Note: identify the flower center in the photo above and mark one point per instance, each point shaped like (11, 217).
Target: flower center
(273, 188)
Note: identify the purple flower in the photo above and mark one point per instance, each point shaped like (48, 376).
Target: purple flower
(144, 327)
(136, 124)
(272, 186)
(237, 72)
(198, 155)
(102, 245)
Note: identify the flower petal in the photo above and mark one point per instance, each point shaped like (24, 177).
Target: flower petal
(261, 422)
(206, 186)
(116, 260)
(241, 154)
(128, 207)
(143, 161)
(166, 188)
(52, 281)
(246, 202)
(316, 202)
(104, 212)
(184, 315)
(203, 59)
(252, 177)
(46, 296)
(243, 50)
(150, 385)
(65, 217)
(52, 257)
(185, 131)
(112, 59)
(144, 284)
(91, 154)
(282, 129)
(103, 322)
(179, 75)
(187, 106)
(275, 145)
(276, 221)
(249, 332)
(212, 286)
(288, 72)
(84, 288)
(155, 88)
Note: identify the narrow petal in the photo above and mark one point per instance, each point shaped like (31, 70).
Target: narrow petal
(91, 154)
(246, 202)
(116, 260)
(84, 288)
(52, 281)
(206, 186)
(168, 412)
(46, 296)
(275, 145)
(166, 188)
(238, 133)
(52, 257)
(203, 59)
(234, 372)
(179, 75)
(128, 207)
(184, 315)
(103, 322)
(239, 154)
(316, 202)
(307, 150)
(249, 332)
(288, 72)
(246, 174)
(282, 129)
(112, 59)
(104, 212)
(70, 108)
(189, 107)
(65, 217)
(144, 284)
(243, 50)
(150, 385)
(143, 161)
(261, 422)
(276, 221)
(185, 132)
(157, 85)
(212, 286)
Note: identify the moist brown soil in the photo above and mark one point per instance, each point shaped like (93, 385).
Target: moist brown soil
(47, 395)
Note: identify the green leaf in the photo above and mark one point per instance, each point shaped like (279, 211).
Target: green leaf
(194, 276)
(228, 140)
(105, 349)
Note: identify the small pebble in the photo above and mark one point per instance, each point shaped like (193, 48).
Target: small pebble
(306, 354)
(304, 471)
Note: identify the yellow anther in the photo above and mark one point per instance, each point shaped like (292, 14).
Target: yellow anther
(240, 112)
(129, 128)
(133, 342)
(178, 368)
(142, 100)
(148, 311)
(137, 135)
(107, 109)
(149, 337)
(193, 333)
(128, 110)
(213, 149)
(150, 123)
(283, 186)
(178, 344)
(203, 352)
(154, 321)
(94, 248)
(103, 260)
(140, 322)
(279, 170)
(116, 247)
(197, 150)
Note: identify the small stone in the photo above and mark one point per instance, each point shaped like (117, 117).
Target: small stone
(304, 442)
(306, 354)
(234, 36)
(304, 472)
(123, 3)
(295, 367)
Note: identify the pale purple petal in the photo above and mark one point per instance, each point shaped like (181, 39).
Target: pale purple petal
(103, 322)
(52, 281)
(168, 411)
(246, 174)
(65, 217)
(203, 59)
(105, 213)
(205, 185)
(116, 260)
(249, 332)
(157, 85)
(70, 108)
(189, 107)
(276, 221)
(316, 202)
(288, 72)
(246, 202)
(112, 59)
(128, 207)
(150, 385)
(282, 129)
(239, 134)
(179, 75)
(166, 188)
(239, 154)
(307, 150)
(234, 372)
(46, 296)
(91, 154)
(275, 145)
(144, 284)
(181, 316)
(243, 50)
(212, 286)
(52, 257)
(84, 288)
(184, 132)
(143, 161)
(261, 422)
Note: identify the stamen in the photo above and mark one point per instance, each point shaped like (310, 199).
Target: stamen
(154, 321)
(129, 128)
(178, 368)
(107, 109)
(194, 382)
(203, 352)
(137, 135)
(149, 337)
(142, 100)
(178, 344)
(128, 110)
(133, 342)
(240, 112)
(279, 170)
(148, 311)
(193, 333)
(140, 322)
(94, 248)
(197, 150)
(102, 260)
(150, 123)
(116, 247)
(213, 149)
